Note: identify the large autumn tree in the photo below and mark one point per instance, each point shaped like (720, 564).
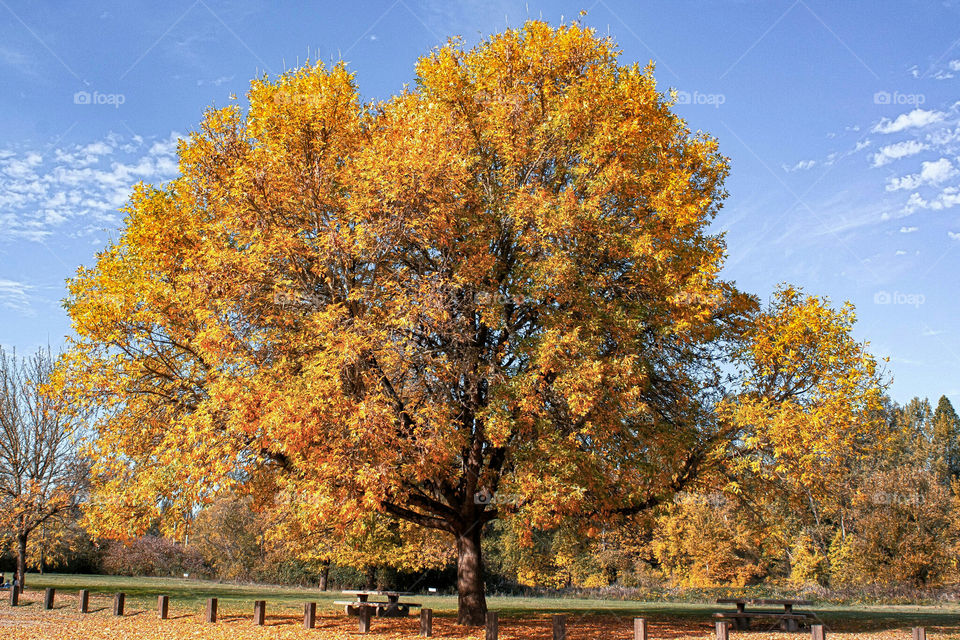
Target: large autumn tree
(494, 295)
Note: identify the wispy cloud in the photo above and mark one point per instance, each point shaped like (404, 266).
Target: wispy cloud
(22, 62)
(14, 295)
(803, 165)
(216, 82)
(945, 72)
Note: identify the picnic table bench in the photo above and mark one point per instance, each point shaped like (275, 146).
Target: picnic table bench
(389, 608)
(788, 619)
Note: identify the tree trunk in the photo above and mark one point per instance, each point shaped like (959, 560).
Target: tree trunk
(324, 576)
(22, 558)
(371, 578)
(471, 596)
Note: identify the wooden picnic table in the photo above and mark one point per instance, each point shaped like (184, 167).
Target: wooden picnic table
(788, 619)
(391, 608)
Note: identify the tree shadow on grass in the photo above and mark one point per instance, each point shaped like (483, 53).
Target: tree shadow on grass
(853, 620)
(330, 624)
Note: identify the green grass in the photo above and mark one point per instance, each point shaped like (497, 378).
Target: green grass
(191, 595)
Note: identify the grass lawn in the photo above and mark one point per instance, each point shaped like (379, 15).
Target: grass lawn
(520, 617)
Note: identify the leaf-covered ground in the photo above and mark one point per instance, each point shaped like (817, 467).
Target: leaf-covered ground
(29, 621)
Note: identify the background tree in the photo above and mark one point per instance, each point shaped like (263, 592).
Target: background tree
(897, 525)
(704, 541)
(42, 476)
(229, 535)
(946, 440)
(241, 538)
(898, 532)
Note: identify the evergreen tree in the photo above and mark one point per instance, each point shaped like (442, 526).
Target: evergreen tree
(946, 440)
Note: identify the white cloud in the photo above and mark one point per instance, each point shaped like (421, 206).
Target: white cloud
(77, 188)
(908, 229)
(98, 148)
(22, 169)
(944, 136)
(891, 152)
(946, 199)
(911, 181)
(914, 202)
(930, 173)
(954, 65)
(953, 235)
(166, 147)
(938, 171)
(914, 119)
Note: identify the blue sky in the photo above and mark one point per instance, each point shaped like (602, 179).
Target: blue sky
(841, 119)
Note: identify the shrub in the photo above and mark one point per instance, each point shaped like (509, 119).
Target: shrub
(152, 556)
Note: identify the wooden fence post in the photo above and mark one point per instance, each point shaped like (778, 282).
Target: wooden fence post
(163, 606)
(723, 630)
(364, 616)
(426, 622)
(559, 627)
(639, 629)
(309, 615)
(817, 632)
(84, 601)
(48, 596)
(211, 609)
(259, 612)
(493, 625)
(118, 602)
(919, 633)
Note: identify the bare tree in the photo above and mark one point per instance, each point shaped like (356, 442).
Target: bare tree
(42, 474)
